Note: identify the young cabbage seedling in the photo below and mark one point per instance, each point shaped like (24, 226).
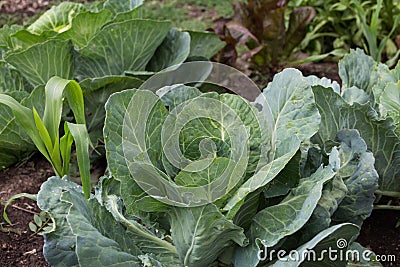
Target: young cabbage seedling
(45, 134)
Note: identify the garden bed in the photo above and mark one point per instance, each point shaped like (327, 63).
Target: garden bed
(20, 248)
(320, 147)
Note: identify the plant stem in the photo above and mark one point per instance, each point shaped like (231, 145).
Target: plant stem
(388, 193)
(19, 208)
(386, 207)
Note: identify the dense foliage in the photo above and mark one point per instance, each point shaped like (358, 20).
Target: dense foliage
(265, 36)
(196, 177)
(106, 47)
(307, 180)
(270, 32)
(341, 25)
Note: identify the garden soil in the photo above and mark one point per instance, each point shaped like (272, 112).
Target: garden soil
(18, 247)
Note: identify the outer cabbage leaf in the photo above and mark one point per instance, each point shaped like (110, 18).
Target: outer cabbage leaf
(99, 240)
(116, 108)
(366, 80)
(333, 193)
(59, 247)
(273, 223)
(173, 50)
(42, 61)
(322, 242)
(202, 233)
(244, 216)
(349, 196)
(84, 26)
(260, 179)
(357, 69)
(204, 44)
(119, 47)
(143, 236)
(361, 179)
(56, 18)
(87, 234)
(390, 101)
(291, 101)
(289, 116)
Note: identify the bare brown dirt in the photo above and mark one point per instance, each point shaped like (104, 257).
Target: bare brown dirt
(18, 247)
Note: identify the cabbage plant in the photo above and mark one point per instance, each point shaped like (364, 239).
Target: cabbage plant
(369, 101)
(212, 179)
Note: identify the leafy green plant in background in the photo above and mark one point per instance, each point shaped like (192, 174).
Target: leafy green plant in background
(106, 47)
(192, 15)
(270, 38)
(341, 25)
(370, 31)
(292, 194)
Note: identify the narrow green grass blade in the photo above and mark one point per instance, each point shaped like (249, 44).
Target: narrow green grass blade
(44, 134)
(14, 197)
(25, 117)
(55, 88)
(65, 148)
(375, 16)
(382, 45)
(56, 157)
(51, 149)
(81, 137)
(53, 108)
(74, 95)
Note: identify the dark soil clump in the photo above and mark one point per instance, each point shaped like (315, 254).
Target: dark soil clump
(379, 234)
